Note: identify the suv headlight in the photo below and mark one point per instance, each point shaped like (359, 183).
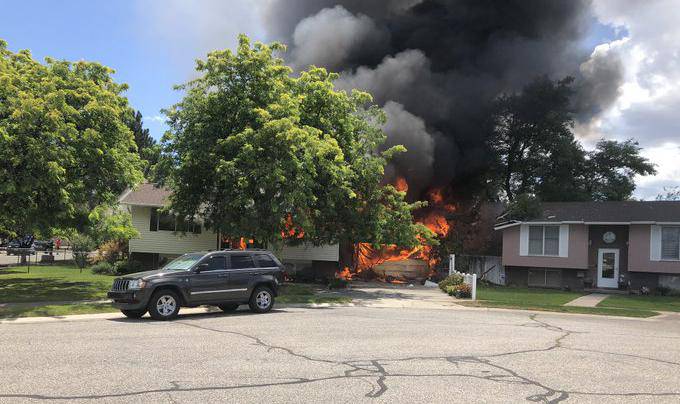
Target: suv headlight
(137, 284)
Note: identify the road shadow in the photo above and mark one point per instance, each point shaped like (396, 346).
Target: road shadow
(211, 313)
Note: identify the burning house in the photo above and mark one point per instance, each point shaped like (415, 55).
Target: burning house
(435, 67)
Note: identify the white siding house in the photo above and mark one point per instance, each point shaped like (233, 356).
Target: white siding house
(155, 244)
(163, 241)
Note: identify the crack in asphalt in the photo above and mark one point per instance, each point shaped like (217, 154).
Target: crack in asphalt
(375, 369)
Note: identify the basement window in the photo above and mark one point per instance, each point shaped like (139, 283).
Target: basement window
(544, 240)
(670, 243)
(545, 278)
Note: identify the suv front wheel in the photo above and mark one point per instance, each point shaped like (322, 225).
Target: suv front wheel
(262, 299)
(164, 305)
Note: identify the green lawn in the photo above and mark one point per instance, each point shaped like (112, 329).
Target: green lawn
(661, 303)
(546, 300)
(51, 284)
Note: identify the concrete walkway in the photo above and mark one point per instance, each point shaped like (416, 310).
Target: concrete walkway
(590, 300)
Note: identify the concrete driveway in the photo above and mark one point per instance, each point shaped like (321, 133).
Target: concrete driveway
(343, 354)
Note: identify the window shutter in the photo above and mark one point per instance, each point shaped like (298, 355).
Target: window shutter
(655, 243)
(564, 240)
(524, 239)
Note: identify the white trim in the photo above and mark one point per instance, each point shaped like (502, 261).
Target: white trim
(564, 241)
(218, 291)
(608, 283)
(655, 243)
(507, 225)
(153, 205)
(524, 240)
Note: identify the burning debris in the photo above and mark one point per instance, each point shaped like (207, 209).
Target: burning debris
(396, 264)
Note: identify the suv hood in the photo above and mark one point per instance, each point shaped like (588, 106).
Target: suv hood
(157, 273)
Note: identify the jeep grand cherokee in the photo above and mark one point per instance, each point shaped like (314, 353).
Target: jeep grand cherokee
(225, 279)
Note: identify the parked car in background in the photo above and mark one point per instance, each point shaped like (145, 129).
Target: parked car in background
(225, 279)
(43, 245)
(21, 246)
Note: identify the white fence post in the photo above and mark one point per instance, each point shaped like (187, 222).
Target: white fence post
(452, 264)
(474, 287)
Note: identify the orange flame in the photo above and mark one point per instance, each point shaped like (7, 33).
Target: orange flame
(434, 217)
(401, 185)
(344, 274)
(292, 231)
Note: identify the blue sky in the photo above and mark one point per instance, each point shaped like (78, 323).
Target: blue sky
(152, 45)
(151, 50)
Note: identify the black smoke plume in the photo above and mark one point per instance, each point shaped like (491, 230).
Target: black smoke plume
(437, 65)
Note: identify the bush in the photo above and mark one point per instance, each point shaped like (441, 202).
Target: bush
(103, 268)
(662, 291)
(127, 267)
(460, 291)
(81, 245)
(337, 283)
(451, 280)
(111, 251)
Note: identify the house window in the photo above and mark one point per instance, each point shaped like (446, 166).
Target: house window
(161, 220)
(544, 240)
(670, 242)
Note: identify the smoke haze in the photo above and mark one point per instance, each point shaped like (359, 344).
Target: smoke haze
(436, 65)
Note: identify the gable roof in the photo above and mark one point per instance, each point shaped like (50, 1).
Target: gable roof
(623, 212)
(145, 195)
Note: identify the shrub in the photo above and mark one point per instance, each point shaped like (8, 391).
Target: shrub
(662, 291)
(451, 280)
(81, 245)
(460, 291)
(103, 268)
(111, 251)
(127, 267)
(337, 283)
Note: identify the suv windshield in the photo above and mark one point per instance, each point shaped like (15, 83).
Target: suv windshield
(183, 262)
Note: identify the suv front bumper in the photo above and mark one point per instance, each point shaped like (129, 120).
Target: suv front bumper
(129, 299)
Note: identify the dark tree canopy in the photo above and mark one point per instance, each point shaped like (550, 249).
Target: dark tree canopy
(261, 154)
(536, 151)
(65, 147)
(147, 147)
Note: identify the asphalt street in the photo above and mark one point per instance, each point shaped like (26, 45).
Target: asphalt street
(343, 354)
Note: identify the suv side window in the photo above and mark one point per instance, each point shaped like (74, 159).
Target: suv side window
(241, 261)
(216, 262)
(265, 261)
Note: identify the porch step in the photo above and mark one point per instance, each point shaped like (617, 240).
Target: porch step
(590, 300)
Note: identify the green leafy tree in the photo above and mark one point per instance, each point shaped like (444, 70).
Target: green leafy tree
(259, 153)
(110, 223)
(611, 169)
(537, 153)
(64, 145)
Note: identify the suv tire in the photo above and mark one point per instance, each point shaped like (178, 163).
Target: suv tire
(134, 313)
(262, 299)
(228, 307)
(164, 305)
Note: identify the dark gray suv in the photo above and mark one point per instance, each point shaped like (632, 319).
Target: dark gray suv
(225, 279)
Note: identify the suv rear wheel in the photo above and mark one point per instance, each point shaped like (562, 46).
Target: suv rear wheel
(133, 313)
(164, 305)
(262, 299)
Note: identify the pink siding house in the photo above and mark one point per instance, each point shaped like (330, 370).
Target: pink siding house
(609, 245)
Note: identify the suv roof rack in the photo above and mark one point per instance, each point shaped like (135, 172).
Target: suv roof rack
(247, 249)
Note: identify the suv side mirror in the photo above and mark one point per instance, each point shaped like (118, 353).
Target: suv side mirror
(202, 267)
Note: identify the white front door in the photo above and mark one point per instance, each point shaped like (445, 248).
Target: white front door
(608, 268)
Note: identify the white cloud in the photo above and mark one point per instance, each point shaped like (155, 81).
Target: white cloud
(154, 118)
(649, 101)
